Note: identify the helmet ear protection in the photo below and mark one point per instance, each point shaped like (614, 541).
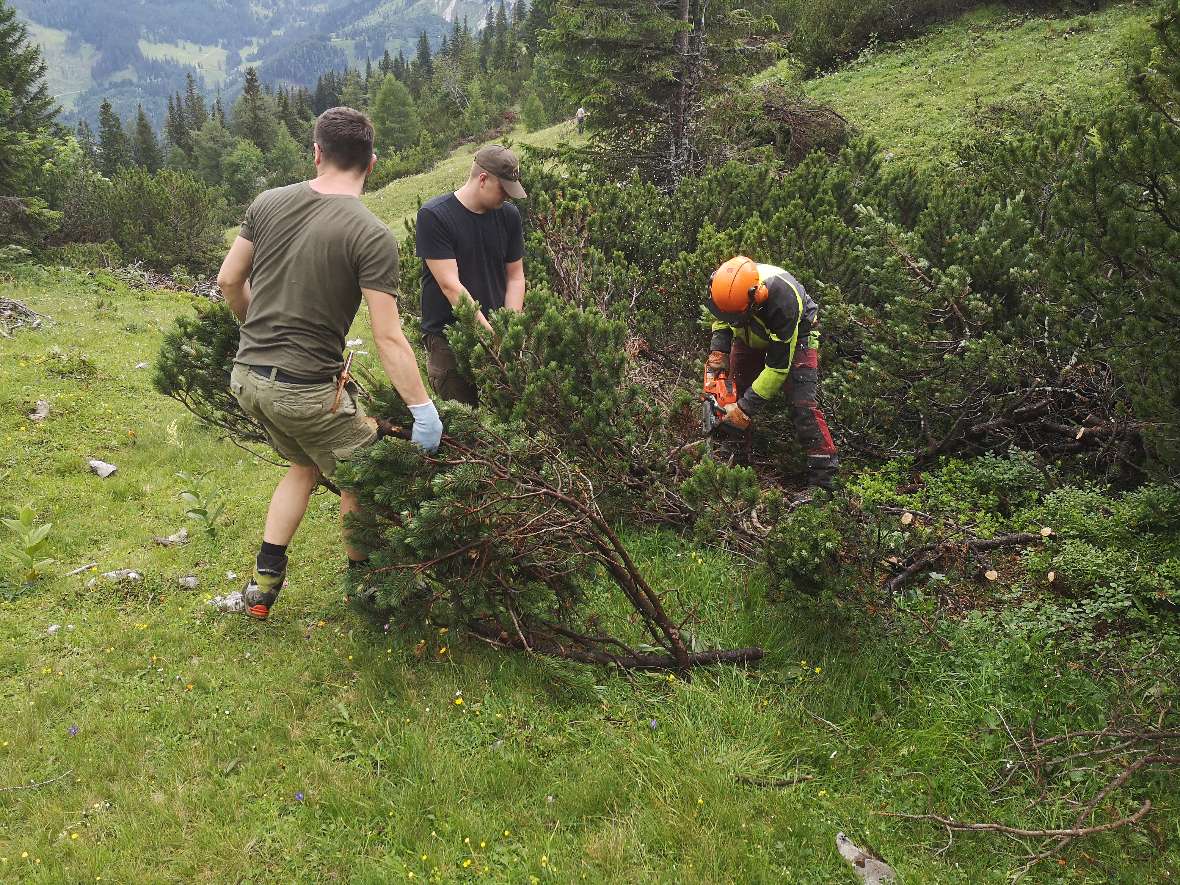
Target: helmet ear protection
(735, 288)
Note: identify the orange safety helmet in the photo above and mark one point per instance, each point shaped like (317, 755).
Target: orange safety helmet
(735, 288)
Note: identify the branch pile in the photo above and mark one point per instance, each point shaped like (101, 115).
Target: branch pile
(501, 531)
(14, 315)
(1112, 758)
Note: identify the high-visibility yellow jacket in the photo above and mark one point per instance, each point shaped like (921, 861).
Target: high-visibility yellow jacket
(774, 326)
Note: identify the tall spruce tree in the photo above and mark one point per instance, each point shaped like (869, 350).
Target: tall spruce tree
(487, 36)
(145, 147)
(254, 116)
(85, 136)
(500, 47)
(645, 69)
(195, 114)
(26, 140)
(353, 93)
(395, 118)
(423, 61)
(176, 128)
(22, 76)
(210, 147)
(114, 148)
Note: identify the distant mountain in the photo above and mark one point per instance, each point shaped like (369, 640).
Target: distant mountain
(138, 52)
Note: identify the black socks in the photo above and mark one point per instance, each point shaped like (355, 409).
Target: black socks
(272, 558)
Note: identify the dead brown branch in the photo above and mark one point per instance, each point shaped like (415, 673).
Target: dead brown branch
(1073, 832)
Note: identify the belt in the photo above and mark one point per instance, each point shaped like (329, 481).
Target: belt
(274, 373)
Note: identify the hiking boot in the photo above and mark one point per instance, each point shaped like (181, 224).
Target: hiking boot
(270, 573)
(821, 471)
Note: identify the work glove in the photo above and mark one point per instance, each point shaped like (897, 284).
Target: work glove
(716, 364)
(428, 428)
(735, 417)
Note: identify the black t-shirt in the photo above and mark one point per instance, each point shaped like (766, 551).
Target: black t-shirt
(481, 244)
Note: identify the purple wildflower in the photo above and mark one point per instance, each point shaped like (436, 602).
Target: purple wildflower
(299, 796)
(654, 724)
(73, 730)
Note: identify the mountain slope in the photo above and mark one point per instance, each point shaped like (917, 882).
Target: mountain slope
(990, 69)
(134, 52)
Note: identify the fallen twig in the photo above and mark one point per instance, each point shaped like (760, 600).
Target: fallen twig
(39, 784)
(1073, 833)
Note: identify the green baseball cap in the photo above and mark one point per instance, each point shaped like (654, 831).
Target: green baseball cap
(497, 160)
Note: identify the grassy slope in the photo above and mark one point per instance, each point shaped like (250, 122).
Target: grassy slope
(398, 201)
(67, 70)
(196, 731)
(209, 60)
(921, 96)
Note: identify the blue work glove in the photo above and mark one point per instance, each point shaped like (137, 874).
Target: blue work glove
(428, 428)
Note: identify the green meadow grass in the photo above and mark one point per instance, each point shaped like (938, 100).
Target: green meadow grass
(919, 97)
(185, 746)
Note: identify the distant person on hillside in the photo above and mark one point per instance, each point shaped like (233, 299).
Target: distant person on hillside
(471, 243)
(580, 116)
(306, 255)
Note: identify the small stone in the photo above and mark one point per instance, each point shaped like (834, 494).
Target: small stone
(124, 576)
(871, 870)
(176, 540)
(53, 628)
(1046, 532)
(907, 518)
(141, 365)
(102, 468)
(1052, 576)
(41, 412)
(991, 574)
(189, 582)
(231, 576)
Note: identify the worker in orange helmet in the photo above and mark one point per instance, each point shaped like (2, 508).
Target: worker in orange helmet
(765, 336)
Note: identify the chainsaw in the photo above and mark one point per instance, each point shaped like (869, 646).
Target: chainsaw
(720, 392)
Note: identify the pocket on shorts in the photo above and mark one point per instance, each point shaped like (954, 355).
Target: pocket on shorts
(303, 405)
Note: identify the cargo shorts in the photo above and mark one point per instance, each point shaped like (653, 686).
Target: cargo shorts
(298, 419)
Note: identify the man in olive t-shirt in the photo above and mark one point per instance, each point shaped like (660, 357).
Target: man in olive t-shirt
(295, 276)
(320, 250)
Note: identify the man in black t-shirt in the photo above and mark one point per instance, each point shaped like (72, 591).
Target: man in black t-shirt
(471, 243)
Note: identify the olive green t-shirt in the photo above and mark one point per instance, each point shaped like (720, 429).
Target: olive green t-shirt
(313, 253)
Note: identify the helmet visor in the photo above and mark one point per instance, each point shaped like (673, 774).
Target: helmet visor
(733, 318)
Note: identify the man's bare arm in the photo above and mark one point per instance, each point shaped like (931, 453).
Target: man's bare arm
(446, 273)
(396, 354)
(514, 293)
(234, 277)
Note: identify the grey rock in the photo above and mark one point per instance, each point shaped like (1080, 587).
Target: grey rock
(871, 870)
